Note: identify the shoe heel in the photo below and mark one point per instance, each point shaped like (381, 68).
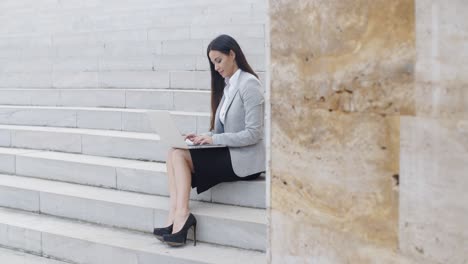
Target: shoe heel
(195, 234)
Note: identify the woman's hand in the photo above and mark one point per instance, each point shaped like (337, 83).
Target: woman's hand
(201, 140)
(190, 136)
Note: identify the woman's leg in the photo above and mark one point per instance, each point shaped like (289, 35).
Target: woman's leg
(183, 168)
(172, 188)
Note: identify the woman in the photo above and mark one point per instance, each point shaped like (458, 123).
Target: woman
(236, 122)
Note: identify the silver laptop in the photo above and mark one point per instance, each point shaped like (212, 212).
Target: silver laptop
(162, 123)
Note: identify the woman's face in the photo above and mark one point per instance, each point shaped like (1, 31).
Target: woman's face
(224, 64)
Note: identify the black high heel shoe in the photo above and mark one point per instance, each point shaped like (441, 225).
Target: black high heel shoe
(180, 238)
(160, 232)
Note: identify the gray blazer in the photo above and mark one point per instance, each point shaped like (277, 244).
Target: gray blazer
(243, 126)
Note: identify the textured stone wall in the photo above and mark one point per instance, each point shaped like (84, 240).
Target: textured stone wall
(342, 79)
(434, 142)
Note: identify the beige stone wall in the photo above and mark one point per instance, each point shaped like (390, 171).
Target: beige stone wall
(342, 79)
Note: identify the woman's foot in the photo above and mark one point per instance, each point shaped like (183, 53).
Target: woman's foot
(179, 221)
(169, 221)
(160, 232)
(180, 238)
(170, 217)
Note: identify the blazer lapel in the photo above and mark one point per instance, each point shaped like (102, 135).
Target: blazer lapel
(218, 125)
(231, 99)
(234, 92)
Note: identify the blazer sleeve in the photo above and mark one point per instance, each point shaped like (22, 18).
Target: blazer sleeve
(253, 102)
(209, 133)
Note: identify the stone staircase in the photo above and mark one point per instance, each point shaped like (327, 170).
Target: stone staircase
(82, 173)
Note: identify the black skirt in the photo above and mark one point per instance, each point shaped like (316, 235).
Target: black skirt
(212, 166)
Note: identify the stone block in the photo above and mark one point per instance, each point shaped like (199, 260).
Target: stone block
(203, 124)
(38, 51)
(66, 142)
(76, 80)
(258, 63)
(315, 244)
(202, 63)
(253, 46)
(37, 117)
(98, 211)
(441, 100)
(126, 79)
(7, 163)
(44, 97)
(19, 198)
(186, 123)
(140, 180)
(38, 166)
(240, 234)
(83, 251)
(121, 147)
(73, 50)
(122, 36)
(126, 63)
(183, 47)
(244, 193)
(13, 256)
(82, 38)
(5, 138)
(322, 164)
(25, 80)
(198, 101)
(92, 98)
(136, 121)
(182, 79)
(174, 62)
(433, 182)
(160, 100)
(16, 97)
(346, 67)
(169, 33)
(131, 49)
(25, 41)
(236, 31)
(191, 80)
(62, 66)
(139, 122)
(16, 237)
(151, 182)
(99, 119)
(27, 65)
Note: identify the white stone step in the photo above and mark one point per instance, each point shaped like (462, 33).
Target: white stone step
(251, 27)
(9, 256)
(121, 174)
(116, 79)
(107, 143)
(87, 243)
(159, 99)
(220, 224)
(123, 119)
(176, 63)
(184, 8)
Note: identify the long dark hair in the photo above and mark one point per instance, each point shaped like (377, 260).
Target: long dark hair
(224, 44)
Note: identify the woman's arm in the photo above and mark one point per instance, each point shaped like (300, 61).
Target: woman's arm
(253, 106)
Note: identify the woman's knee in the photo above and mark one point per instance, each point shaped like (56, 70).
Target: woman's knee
(170, 154)
(182, 156)
(179, 154)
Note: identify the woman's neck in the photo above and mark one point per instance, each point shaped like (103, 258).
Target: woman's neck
(233, 71)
